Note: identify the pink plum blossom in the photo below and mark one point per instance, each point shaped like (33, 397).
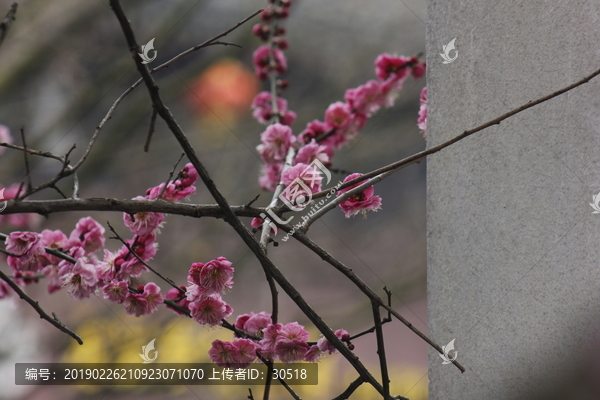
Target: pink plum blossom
(87, 234)
(125, 264)
(24, 243)
(143, 223)
(260, 58)
(212, 277)
(82, 279)
(338, 115)
(188, 175)
(253, 323)
(366, 99)
(294, 330)
(313, 354)
(28, 249)
(326, 347)
(27, 220)
(291, 350)
(210, 310)
(301, 181)
(5, 137)
(53, 277)
(224, 354)
(270, 335)
(361, 202)
(116, 291)
(263, 109)
(313, 130)
(276, 140)
(55, 240)
(269, 176)
(174, 294)
(422, 121)
(314, 151)
(396, 67)
(145, 302)
(153, 296)
(136, 304)
(246, 352)
(5, 290)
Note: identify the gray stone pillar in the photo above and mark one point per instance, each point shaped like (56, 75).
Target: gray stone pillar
(513, 246)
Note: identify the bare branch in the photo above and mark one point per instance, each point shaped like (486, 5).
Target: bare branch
(36, 306)
(351, 388)
(385, 378)
(27, 171)
(47, 207)
(325, 256)
(34, 152)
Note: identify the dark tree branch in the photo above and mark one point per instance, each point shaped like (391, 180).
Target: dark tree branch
(230, 216)
(25, 154)
(150, 130)
(385, 378)
(47, 207)
(351, 388)
(36, 306)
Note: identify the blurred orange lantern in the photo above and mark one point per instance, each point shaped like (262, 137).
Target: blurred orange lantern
(223, 91)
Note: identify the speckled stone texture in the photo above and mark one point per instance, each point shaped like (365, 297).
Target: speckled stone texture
(513, 246)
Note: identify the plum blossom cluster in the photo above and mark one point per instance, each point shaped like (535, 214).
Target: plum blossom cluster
(202, 296)
(110, 274)
(341, 123)
(270, 341)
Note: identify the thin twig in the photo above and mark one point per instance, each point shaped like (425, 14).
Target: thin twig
(36, 306)
(248, 204)
(496, 121)
(7, 22)
(150, 131)
(385, 378)
(350, 389)
(131, 251)
(359, 283)
(162, 191)
(27, 171)
(230, 216)
(33, 152)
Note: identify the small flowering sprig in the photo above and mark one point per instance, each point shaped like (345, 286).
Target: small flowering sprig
(270, 341)
(75, 266)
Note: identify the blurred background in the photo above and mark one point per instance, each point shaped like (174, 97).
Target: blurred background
(64, 63)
